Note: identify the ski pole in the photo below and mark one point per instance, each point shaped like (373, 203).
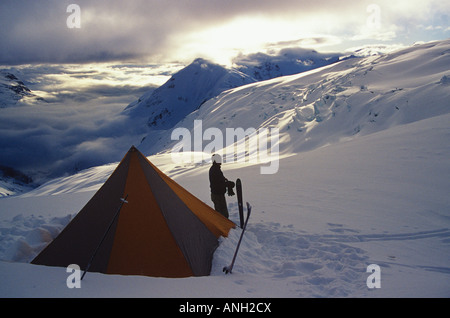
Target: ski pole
(228, 269)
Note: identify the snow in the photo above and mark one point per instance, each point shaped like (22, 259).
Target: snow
(288, 61)
(183, 93)
(352, 189)
(379, 199)
(357, 96)
(14, 93)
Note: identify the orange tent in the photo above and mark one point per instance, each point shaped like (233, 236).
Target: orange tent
(162, 229)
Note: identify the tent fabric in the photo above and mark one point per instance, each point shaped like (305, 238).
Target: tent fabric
(162, 230)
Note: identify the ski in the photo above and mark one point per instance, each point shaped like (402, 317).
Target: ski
(239, 198)
(228, 269)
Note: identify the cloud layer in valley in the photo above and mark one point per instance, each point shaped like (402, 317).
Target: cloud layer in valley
(79, 123)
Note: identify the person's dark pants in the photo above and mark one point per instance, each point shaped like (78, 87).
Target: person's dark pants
(220, 204)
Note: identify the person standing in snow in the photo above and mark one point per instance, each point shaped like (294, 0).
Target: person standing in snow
(218, 184)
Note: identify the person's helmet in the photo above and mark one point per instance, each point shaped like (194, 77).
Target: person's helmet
(216, 158)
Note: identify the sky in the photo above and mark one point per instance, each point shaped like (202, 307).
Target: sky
(159, 31)
(91, 60)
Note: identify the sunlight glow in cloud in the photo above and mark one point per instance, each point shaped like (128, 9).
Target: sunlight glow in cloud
(162, 31)
(252, 34)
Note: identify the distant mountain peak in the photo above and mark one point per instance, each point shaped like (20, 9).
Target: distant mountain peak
(13, 90)
(185, 92)
(288, 61)
(202, 80)
(357, 96)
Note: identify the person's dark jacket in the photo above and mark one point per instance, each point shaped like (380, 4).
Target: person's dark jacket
(217, 180)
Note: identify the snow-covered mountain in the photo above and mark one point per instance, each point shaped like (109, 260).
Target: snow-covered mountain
(13, 182)
(184, 92)
(263, 66)
(344, 99)
(353, 97)
(13, 91)
(188, 89)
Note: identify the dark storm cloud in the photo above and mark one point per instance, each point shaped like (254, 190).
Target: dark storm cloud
(36, 31)
(111, 30)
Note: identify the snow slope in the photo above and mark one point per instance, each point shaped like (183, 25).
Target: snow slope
(363, 180)
(202, 80)
(352, 97)
(289, 61)
(13, 91)
(13, 182)
(317, 224)
(183, 93)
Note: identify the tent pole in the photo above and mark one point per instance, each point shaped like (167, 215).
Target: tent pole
(124, 200)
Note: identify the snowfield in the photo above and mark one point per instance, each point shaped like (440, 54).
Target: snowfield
(316, 226)
(363, 179)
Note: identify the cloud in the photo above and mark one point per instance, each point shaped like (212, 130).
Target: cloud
(305, 42)
(50, 140)
(79, 125)
(112, 30)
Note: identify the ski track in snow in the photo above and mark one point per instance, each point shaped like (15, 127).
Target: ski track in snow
(319, 265)
(316, 265)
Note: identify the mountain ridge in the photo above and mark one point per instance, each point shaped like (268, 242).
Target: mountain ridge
(185, 92)
(13, 90)
(352, 97)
